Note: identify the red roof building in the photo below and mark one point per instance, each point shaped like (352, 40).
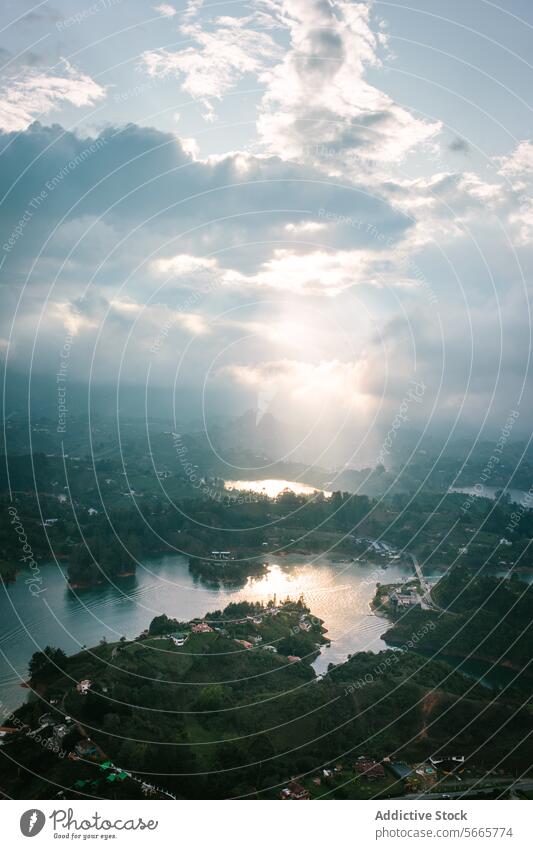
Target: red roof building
(369, 768)
(201, 628)
(294, 791)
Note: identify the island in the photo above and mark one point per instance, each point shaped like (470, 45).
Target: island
(230, 706)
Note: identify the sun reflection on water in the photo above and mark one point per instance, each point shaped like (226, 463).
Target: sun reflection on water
(273, 487)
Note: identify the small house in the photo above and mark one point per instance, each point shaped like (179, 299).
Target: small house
(399, 769)
(201, 628)
(85, 748)
(369, 769)
(245, 644)
(294, 791)
(179, 639)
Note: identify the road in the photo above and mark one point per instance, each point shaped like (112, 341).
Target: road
(426, 600)
(477, 786)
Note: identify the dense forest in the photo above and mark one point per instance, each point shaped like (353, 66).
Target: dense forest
(480, 616)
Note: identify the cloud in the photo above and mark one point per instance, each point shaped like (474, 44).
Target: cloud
(516, 168)
(318, 106)
(71, 317)
(166, 10)
(302, 227)
(183, 265)
(136, 197)
(192, 322)
(126, 306)
(193, 7)
(217, 60)
(313, 272)
(34, 93)
(262, 259)
(300, 382)
(445, 206)
(149, 316)
(519, 163)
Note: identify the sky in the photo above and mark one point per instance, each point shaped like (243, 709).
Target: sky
(305, 207)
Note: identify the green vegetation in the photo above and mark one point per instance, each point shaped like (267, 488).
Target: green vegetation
(103, 513)
(231, 705)
(480, 617)
(44, 664)
(211, 718)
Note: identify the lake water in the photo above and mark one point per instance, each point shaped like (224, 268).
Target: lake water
(339, 593)
(273, 487)
(518, 496)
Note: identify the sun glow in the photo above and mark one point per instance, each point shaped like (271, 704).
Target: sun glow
(274, 487)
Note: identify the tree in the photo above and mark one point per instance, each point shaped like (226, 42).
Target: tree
(212, 697)
(163, 625)
(47, 661)
(96, 704)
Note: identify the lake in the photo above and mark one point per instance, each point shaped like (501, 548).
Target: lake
(338, 593)
(517, 496)
(273, 487)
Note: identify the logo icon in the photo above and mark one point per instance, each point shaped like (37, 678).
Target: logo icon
(32, 822)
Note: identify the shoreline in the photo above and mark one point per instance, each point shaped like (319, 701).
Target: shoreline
(85, 585)
(436, 653)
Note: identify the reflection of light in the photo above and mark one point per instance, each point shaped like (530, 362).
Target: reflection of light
(290, 580)
(278, 582)
(273, 487)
